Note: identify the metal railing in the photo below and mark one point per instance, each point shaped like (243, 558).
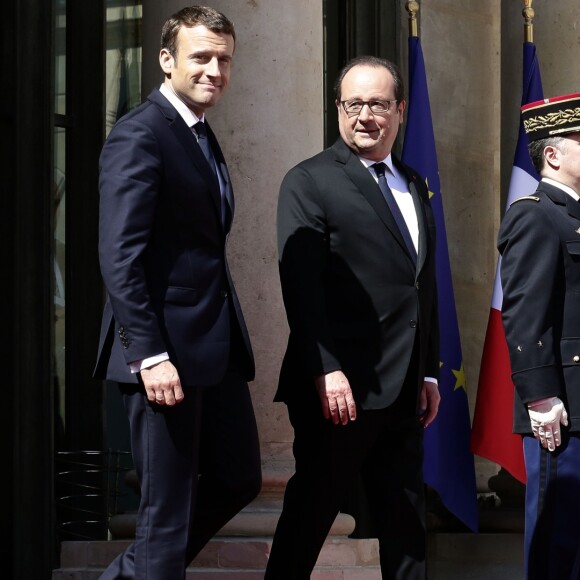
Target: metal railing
(89, 489)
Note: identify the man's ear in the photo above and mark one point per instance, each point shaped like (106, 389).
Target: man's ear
(552, 156)
(400, 110)
(166, 61)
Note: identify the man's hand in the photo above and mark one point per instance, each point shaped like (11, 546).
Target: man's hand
(546, 416)
(162, 384)
(336, 397)
(429, 399)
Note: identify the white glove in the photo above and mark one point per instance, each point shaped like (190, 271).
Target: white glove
(546, 415)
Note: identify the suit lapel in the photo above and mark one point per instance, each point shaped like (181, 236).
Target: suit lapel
(369, 189)
(367, 186)
(223, 168)
(187, 139)
(412, 180)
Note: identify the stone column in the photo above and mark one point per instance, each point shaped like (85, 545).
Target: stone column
(270, 119)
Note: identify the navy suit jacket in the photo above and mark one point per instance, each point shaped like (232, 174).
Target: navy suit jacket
(162, 249)
(354, 299)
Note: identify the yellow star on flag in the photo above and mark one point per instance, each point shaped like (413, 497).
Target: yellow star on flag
(431, 193)
(459, 378)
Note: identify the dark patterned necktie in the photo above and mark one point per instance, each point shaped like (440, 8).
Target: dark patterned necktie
(395, 210)
(203, 143)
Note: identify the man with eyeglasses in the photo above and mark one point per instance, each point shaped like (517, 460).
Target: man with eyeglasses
(356, 242)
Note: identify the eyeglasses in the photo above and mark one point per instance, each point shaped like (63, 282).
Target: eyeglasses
(354, 107)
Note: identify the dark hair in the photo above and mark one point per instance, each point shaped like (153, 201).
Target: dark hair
(536, 150)
(375, 62)
(193, 16)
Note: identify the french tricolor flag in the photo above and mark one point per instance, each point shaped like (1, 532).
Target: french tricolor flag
(491, 432)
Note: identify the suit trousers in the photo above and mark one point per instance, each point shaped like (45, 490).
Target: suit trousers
(384, 447)
(198, 464)
(552, 529)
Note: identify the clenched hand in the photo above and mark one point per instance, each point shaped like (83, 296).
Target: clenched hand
(162, 384)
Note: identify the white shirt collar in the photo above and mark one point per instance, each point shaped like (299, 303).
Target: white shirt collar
(186, 113)
(388, 161)
(562, 186)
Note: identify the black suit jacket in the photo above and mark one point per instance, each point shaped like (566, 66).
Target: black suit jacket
(539, 240)
(354, 299)
(162, 251)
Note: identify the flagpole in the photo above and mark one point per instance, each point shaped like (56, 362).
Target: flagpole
(412, 8)
(528, 14)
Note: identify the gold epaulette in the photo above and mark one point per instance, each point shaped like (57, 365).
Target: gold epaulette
(530, 197)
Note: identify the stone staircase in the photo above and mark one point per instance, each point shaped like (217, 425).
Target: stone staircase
(240, 551)
(451, 557)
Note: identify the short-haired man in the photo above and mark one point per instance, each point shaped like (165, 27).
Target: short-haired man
(539, 240)
(173, 335)
(356, 242)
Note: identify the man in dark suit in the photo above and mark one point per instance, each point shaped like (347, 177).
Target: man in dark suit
(539, 240)
(357, 268)
(173, 335)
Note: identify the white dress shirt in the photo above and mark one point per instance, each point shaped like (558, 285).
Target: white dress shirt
(401, 193)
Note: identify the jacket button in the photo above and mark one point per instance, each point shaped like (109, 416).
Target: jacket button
(224, 294)
(417, 285)
(576, 358)
(413, 323)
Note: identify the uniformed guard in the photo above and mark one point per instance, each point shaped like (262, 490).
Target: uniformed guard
(539, 240)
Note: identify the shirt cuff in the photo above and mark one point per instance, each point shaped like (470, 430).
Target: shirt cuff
(138, 365)
(431, 380)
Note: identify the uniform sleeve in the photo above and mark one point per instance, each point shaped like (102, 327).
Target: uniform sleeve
(532, 299)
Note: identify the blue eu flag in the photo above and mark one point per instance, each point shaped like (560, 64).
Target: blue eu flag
(448, 464)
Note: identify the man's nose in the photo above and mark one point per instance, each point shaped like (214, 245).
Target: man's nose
(212, 68)
(365, 112)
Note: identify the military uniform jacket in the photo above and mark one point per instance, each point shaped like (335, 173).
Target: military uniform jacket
(539, 241)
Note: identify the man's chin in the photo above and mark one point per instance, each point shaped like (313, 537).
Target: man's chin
(366, 145)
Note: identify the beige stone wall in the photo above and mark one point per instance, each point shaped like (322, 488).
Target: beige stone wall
(271, 120)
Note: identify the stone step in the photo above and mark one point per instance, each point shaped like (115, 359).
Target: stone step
(219, 574)
(231, 558)
(259, 519)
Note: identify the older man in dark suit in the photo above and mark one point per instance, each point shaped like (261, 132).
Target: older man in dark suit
(357, 265)
(173, 335)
